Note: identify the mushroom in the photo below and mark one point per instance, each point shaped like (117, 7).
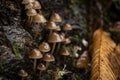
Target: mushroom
(48, 58)
(67, 41)
(35, 54)
(22, 73)
(38, 18)
(52, 26)
(82, 62)
(54, 38)
(55, 18)
(67, 27)
(30, 13)
(36, 5)
(41, 67)
(44, 47)
(65, 52)
(27, 1)
(29, 6)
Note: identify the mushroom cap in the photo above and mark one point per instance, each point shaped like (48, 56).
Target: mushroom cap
(54, 37)
(48, 58)
(82, 62)
(31, 12)
(35, 54)
(56, 18)
(41, 67)
(44, 47)
(22, 73)
(58, 28)
(51, 25)
(29, 6)
(67, 27)
(39, 18)
(62, 37)
(65, 52)
(27, 1)
(67, 41)
(36, 5)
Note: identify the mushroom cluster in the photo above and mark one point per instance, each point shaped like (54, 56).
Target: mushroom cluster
(32, 8)
(58, 39)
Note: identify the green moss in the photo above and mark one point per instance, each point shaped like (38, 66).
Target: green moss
(16, 49)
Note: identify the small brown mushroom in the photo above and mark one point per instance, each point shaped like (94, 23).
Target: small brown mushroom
(22, 73)
(41, 67)
(44, 47)
(82, 62)
(52, 26)
(67, 41)
(54, 38)
(56, 18)
(67, 27)
(65, 52)
(30, 13)
(35, 54)
(39, 18)
(36, 5)
(48, 58)
(29, 6)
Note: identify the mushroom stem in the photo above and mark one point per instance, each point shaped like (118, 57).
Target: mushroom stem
(29, 21)
(53, 48)
(37, 31)
(47, 64)
(51, 32)
(34, 65)
(58, 47)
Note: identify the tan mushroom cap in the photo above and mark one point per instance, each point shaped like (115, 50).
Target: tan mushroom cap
(67, 27)
(56, 18)
(27, 1)
(44, 47)
(65, 52)
(48, 58)
(29, 6)
(22, 73)
(62, 37)
(51, 25)
(35, 54)
(67, 41)
(58, 28)
(39, 18)
(36, 5)
(83, 60)
(31, 12)
(41, 67)
(54, 37)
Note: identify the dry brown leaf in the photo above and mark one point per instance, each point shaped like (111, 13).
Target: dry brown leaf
(102, 47)
(115, 58)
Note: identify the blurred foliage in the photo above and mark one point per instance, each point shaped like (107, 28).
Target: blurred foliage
(117, 3)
